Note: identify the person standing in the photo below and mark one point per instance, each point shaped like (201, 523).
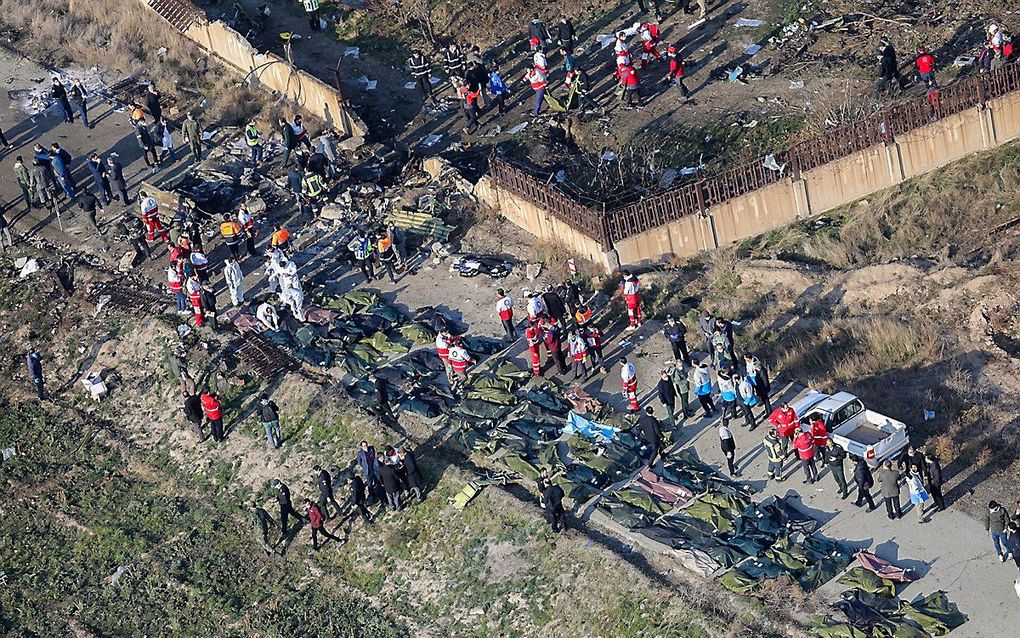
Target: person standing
(399, 239)
(192, 408)
(888, 69)
(460, 359)
(925, 63)
(312, 12)
(565, 34)
(24, 180)
(498, 89)
(234, 277)
(117, 181)
(834, 456)
(369, 466)
(505, 310)
(326, 498)
(537, 77)
(88, 204)
(209, 304)
(703, 388)
(261, 522)
(230, 231)
(784, 418)
(918, 495)
(759, 378)
(253, 138)
(534, 338)
(213, 410)
(632, 299)
(996, 518)
(747, 399)
(727, 396)
(552, 503)
(145, 142)
(100, 177)
(706, 323)
(676, 335)
(729, 449)
(934, 481)
(387, 256)
(414, 478)
(551, 337)
(286, 506)
(667, 397)
(42, 185)
(390, 483)
(247, 223)
(774, 452)
(152, 102)
(578, 349)
(59, 93)
(804, 444)
(554, 305)
(628, 376)
(682, 386)
(269, 415)
(60, 160)
(35, 372)
(675, 74)
(421, 71)
(193, 136)
(79, 97)
(5, 233)
(652, 431)
(865, 481)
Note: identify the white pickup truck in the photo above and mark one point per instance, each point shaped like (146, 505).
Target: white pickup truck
(858, 430)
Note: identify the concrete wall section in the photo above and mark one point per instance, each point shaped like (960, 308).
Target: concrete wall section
(1004, 117)
(947, 140)
(848, 178)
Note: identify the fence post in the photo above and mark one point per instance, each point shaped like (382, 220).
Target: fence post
(887, 135)
(699, 192)
(981, 96)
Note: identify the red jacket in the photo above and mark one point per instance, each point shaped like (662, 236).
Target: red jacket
(925, 63)
(784, 420)
(315, 516)
(676, 68)
(819, 433)
(630, 77)
(211, 406)
(534, 336)
(805, 445)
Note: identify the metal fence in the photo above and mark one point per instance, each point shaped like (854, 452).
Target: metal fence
(880, 127)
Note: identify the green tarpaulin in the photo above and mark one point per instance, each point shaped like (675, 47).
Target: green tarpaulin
(384, 344)
(867, 581)
(642, 499)
(418, 334)
(347, 303)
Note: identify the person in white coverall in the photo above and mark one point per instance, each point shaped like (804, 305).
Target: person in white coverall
(235, 281)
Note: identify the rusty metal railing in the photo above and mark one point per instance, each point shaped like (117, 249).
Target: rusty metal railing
(880, 127)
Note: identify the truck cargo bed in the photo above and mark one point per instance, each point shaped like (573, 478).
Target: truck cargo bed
(866, 434)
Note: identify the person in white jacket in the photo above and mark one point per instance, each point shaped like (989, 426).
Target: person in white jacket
(266, 313)
(295, 300)
(287, 273)
(273, 258)
(235, 281)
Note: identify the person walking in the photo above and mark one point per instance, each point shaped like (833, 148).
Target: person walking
(537, 77)
(286, 506)
(35, 372)
(90, 206)
(729, 449)
(925, 63)
(888, 69)
(631, 288)
(996, 518)
(363, 248)
(552, 503)
(919, 496)
(79, 98)
(652, 431)
(865, 481)
(192, 132)
(261, 522)
(628, 376)
(703, 388)
(145, 142)
(774, 452)
(414, 478)
(834, 457)
(390, 484)
(421, 71)
(676, 335)
(359, 499)
(498, 89)
(676, 73)
(326, 498)
(213, 410)
(269, 415)
(889, 488)
(804, 444)
(565, 34)
(934, 480)
(59, 93)
(317, 521)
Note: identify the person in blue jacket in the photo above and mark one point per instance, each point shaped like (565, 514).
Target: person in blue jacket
(498, 88)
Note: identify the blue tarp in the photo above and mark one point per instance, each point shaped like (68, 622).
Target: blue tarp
(577, 424)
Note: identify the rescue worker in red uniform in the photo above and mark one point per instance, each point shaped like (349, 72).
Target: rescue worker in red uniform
(632, 297)
(443, 342)
(533, 335)
(649, 41)
(578, 352)
(176, 285)
(676, 72)
(593, 335)
(212, 409)
(150, 218)
(551, 336)
(460, 359)
(505, 310)
(819, 433)
(784, 418)
(193, 287)
(805, 446)
(628, 375)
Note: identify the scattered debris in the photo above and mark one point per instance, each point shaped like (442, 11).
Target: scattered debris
(28, 267)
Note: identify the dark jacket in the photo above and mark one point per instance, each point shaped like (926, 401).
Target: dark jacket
(388, 476)
(995, 520)
(537, 29)
(414, 478)
(554, 304)
(58, 92)
(552, 497)
(193, 408)
(862, 474)
(674, 333)
(889, 482)
(888, 68)
(650, 428)
(565, 32)
(143, 136)
(294, 178)
(117, 173)
(667, 392)
(269, 412)
(283, 496)
(208, 300)
(357, 489)
(571, 294)
(325, 482)
(934, 472)
(834, 455)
